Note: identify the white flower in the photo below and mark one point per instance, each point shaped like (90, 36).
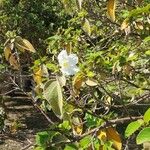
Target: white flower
(68, 63)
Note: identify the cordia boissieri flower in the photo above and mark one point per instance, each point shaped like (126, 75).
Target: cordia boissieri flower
(68, 63)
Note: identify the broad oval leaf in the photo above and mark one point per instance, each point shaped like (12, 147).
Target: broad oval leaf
(132, 127)
(23, 44)
(28, 45)
(91, 82)
(125, 24)
(143, 136)
(147, 116)
(114, 136)
(78, 81)
(53, 94)
(62, 80)
(111, 6)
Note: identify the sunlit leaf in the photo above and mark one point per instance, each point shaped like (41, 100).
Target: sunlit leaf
(13, 61)
(147, 116)
(77, 82)
(7, 52)
(147, 52)
(85, 142)
(70, 147)
(143, 136)
(62, 80)
(91, 82)
(53, 94)
(114, 136)
(132, 127)
(87, 27)
(111, 6)
(125, 24)
(23, 44)
(37, 76)
(80, 3)
(102, 135)
(39, 73)
(28, 45)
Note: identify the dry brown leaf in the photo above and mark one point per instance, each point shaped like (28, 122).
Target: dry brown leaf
(111, 6)
(114, 136)
(13, 61)
(139, 25)
(125, 24)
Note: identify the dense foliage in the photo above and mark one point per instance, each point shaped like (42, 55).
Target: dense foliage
(108, 41)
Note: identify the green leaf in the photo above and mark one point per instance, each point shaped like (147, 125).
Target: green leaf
(132, 127)
(70, 147)
(147, 116)
(147, 52)
(41, 138)
(53, 94)
(85, 142)
(143, 136)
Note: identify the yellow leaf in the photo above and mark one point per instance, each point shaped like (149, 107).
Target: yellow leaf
(114, 136)
(28, 45)
(91, 82)
(39, 73)
(77, 126)
(102, 135)
(13, 61)
(23, 44)
(78, 80)
(111, 6)
(87, 27)
(7, 52)
(37, 76)
(125, 24)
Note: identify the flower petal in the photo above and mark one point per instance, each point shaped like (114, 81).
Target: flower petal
(73, 59)
(70, 70)
(62, 55)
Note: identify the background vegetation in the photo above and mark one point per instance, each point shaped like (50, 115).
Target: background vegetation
(94, 107)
